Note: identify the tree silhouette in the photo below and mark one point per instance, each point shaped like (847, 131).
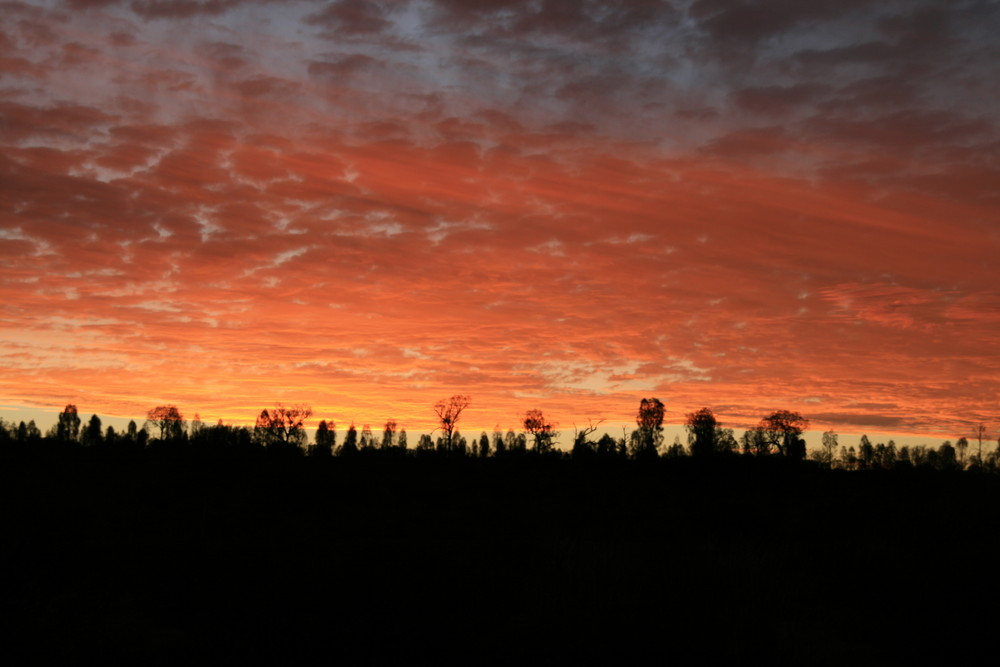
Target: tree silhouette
(389, 435)
(961, 445)
(755, 442)
(582, 447)
(499, 448)
(92, 434)
(448, 413)
(650, 433)
(169, 421)
(829, 447)
(783, 430)
(537, 425)
(68, 426)
(903, 460)
(725, 441)
(947, 458)
(29, 432)
(282, 426)
(514, 443)
(979, 434)
(459, 443)
(350, 445)
(701, 426)
(367, 439)
(866, 454)
(326, 438)
(608, 447)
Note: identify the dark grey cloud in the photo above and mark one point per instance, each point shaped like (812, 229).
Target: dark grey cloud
(226, 55)
(352, 17)
(775, 101)
(340, 67)
(268, 87)
(65, 119)
(871, 419)
(750, 21)
(182, 9)
(904, 132)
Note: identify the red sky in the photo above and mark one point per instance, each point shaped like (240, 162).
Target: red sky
(569, 206)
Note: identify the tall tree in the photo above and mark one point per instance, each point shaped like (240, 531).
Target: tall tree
(459, 444)
(92, 435)
(829, 447)
(979, 434)
(962, 445)
(702, 426)
(196, 425)
(324, 439)
(367, 440)
(499, 448)
(68, 426)
(650, 434)
(946, 458)
(350, 445)
(389, 435)
(448, 412)
(866, 453)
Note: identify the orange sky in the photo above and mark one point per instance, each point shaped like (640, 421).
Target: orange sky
(368, 207)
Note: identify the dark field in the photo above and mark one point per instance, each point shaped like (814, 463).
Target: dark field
(320, 561)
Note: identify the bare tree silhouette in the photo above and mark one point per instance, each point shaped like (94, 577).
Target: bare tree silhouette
(979, 434)
(448, 412)
(582, 446)
(540, 428)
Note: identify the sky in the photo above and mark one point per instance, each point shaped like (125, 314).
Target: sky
(367, 207)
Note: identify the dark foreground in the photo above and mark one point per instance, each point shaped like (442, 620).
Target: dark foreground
(310, 561)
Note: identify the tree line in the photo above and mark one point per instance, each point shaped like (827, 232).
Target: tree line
(283, 429)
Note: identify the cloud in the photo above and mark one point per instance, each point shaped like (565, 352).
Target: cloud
(751, 21)
(178, 9)
(864, 420)
(351, 17)
(341, 66)
(747, 205)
